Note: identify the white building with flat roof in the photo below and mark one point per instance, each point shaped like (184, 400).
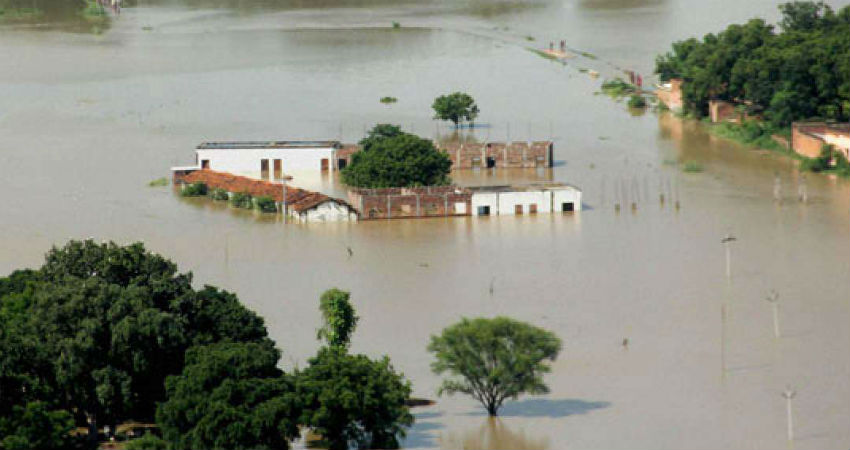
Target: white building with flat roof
(267, 159)
(527, 199)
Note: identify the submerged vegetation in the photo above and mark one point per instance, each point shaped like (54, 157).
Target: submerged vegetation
(692, 167)
(800, 72)
(388, 100)
(618, 88)
(194, 190)
(393, 158)
(637, 101)
(159, 182)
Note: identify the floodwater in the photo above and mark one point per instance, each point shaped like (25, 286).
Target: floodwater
(87, 119)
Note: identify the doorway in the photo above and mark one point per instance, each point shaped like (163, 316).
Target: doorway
(491, 162)
(205, 164)
(278, 169)
(325, 164)
(264, 169)
(518, 210)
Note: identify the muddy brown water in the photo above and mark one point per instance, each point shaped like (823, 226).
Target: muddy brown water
(88, 119)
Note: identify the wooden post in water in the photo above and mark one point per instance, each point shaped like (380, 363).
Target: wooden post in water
(725, 241)
(773, 299)
(789, 395)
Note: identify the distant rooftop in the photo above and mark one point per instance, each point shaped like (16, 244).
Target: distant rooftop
(266, 144)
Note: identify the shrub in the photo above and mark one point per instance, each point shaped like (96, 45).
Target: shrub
(396, 25)
(194, 190)
(219, 194)
(147, 442)
(637, 101)
(158, 182)
(266, 204)
(693, 167)
(617, 88)
(388, 100)
(242, 200)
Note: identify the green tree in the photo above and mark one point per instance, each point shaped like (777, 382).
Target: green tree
(339, 317)
(380, 132)
(98, 327)
(456, 107)
(397, 160)
(492, 360)
(230, 396)
(353, 400)
(35, 426)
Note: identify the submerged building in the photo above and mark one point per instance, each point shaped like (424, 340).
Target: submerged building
(525, 199)
(267, 159)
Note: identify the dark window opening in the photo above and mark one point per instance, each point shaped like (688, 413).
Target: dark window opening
(341, 163)
(278, 169)
(518, 210)
(532, 208)
(264, 169)
(325, 164)
(483, 210)
(491, 162)
(567, 207)
(205, 164)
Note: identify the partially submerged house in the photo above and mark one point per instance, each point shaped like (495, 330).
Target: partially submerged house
(444, 201)
(807, 138)
(525, 199)
(488, 155)
(670, 94)
(300, 205)
(267, 159)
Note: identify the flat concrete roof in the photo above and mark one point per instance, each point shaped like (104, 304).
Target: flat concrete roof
(244, 145)
(523, 187)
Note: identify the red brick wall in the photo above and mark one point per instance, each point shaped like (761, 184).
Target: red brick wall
(394, 203)
(804, 143)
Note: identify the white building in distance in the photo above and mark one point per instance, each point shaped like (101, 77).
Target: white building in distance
(526, 199)
(267, 159)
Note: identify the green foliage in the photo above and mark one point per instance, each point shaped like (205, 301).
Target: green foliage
(392, 158)
(36, 426)
(829, 160)
(339, 317)
(798, 73)
(693, 167)
(456, 107)
(242, 200)
(617, 88)
(98, 327)
(351, 399)
(159, 182)
(752, 133)
(492, 360)
(266, 204)
(219, 194)
(147, 442)
(194, 190)
(396, 25)
(93, 9)
(637, 101)
(230, 395)
(388, 100)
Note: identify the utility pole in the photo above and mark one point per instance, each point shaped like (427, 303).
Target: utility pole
(725, 241)
(789, 395)
(773, 299)
(283, 208)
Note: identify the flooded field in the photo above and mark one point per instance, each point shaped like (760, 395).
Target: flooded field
(87, 119)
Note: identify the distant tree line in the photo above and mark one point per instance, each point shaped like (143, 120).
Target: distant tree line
(800, 72)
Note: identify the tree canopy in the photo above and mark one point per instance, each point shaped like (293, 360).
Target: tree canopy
(456, 107)
(392, 158)
(351, 399)
(492, 360)
(801, 72)
(95, 331)
(230, 396)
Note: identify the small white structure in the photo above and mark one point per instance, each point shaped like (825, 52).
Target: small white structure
(530, 199)
(327, 210)
(267, 160)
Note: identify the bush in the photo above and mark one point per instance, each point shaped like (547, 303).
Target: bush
(618, 88)
(388, 100)
(158, 182)
(147, 442)
(637, 101)
(693, 167)
(219, 194)
(242, 200)
(266, 204)
(194, 190)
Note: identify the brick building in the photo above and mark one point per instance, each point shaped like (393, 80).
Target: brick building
(395, 203)
(807, 138)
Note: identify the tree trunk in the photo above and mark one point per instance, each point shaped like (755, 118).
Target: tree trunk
(92, 421)
(492, 410)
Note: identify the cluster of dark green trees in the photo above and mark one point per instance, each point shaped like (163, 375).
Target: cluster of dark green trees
(390, 157)
(800, 72)
(103, 334)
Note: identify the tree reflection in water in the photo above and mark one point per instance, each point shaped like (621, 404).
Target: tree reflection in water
(493, 434)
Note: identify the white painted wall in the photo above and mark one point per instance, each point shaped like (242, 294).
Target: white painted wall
(561, 196)
(490, 199)
(509, 200)
(327, 212)
(246, 162)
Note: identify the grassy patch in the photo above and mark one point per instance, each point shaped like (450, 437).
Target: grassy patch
(388, 100)
(529, 38)
(752, 133)
(147, 28)
(16, 14)
(693, 167)
(396, 25)
(158, 182)
(587, 55)
(543, 54)
(93, 9)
